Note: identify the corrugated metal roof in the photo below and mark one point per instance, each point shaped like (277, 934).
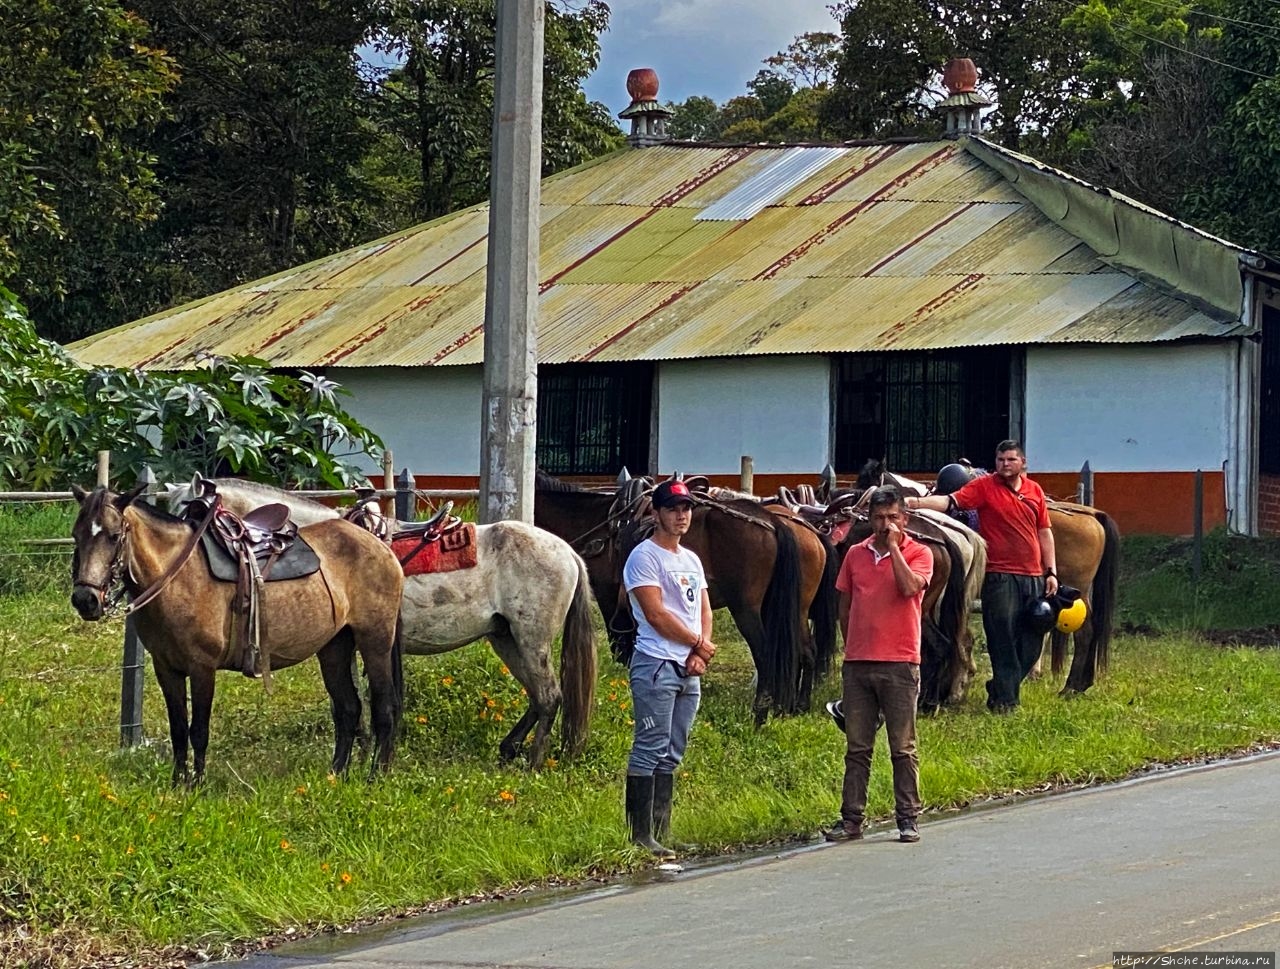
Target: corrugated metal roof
(682, 251)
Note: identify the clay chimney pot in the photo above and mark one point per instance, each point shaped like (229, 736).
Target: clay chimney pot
(960, 76)
(642, 84)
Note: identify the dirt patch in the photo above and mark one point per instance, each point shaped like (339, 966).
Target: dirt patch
(1263, 637)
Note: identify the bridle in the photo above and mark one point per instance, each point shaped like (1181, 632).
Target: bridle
(112, 589)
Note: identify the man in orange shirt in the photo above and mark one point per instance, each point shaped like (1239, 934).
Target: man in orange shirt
(881, 585)
(1013, 516)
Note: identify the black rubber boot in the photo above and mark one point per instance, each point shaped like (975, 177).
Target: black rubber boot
(640, 814)
(663, 789)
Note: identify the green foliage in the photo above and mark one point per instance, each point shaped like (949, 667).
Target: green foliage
(440, 103)
(228, 415)
(1236, 589)
(81, 87)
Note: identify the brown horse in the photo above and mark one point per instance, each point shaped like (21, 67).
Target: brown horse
(753, 566)
(350, 605)
(1088, 546)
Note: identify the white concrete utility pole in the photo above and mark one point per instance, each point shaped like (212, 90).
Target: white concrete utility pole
(508, 423)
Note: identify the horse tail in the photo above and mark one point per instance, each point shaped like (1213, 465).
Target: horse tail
(823, 611)
(1104, 592)
(780, 612)
(397, 669)
(578, 664)
(952, 624)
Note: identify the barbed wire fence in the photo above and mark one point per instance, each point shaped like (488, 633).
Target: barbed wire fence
(402, 501)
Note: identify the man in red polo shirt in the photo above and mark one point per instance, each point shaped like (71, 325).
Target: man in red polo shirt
(881, 585)
(1013, 516)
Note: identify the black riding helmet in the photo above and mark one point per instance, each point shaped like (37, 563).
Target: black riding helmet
(1040, 615)
(952, 478)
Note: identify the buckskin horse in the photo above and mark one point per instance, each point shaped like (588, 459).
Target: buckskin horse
(526, 588)
(351, 604)
(754, 568)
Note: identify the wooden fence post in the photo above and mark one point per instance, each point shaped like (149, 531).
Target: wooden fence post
(404, 496)
(1197, 528)
(104, 468)
(132, 665)
(746, 476)
(388, 503)
(1084, 494)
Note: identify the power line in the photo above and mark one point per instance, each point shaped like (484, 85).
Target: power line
(1213, 16)
(1191, 53)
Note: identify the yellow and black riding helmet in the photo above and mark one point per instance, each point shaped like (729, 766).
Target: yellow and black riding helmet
(1071, 609)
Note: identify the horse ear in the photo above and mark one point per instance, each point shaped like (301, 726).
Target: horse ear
(79, 493)
(125, 500)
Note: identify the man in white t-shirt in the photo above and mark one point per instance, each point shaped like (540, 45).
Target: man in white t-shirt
(668, 592)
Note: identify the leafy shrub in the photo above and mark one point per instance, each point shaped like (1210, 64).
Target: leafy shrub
(228, 416)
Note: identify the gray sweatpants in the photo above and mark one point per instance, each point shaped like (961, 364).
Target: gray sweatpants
(664, 704)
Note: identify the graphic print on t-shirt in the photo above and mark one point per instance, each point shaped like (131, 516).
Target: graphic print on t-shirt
(688, 583)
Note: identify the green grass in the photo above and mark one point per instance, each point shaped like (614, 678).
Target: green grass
(100, 856)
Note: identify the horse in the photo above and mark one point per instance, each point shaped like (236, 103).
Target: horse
(526, 588)
(753, 565)
(1087, 541)
(350, 605)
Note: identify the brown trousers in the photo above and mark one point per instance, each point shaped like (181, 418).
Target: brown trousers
(872, 688)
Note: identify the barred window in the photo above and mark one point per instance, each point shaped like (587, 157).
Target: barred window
(920, 410)
(594, 418)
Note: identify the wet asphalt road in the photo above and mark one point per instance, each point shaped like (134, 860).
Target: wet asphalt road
(1186, 860)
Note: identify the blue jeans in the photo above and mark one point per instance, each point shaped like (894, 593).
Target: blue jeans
(1013, 645)
(664, 704)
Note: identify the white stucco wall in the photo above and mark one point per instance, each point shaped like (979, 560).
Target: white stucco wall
(1140, 408)
(776, 409)
(428, 416)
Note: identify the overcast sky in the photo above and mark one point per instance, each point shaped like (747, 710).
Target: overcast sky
(707, 47)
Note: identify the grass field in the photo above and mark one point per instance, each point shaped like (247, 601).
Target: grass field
(102, 860)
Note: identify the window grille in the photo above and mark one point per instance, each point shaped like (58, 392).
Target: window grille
(594, 418)
(920, 410)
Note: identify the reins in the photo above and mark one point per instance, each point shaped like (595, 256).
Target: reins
(162, 583)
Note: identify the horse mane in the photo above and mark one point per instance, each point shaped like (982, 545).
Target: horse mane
(871, 473)
(545, 482)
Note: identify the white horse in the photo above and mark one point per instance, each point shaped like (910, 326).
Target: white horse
(527, 587)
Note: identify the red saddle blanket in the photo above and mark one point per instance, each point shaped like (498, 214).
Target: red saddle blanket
(454, 550)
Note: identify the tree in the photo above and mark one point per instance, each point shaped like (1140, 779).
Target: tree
(888, 70)
(809, 60)
(81, 86)
(772, 90)
(260, 165)
(888, 62)
(694, 119)
(441, 100)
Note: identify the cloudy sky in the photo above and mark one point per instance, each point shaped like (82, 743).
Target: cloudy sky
(707, 47)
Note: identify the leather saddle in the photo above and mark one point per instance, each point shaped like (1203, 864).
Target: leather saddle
(267, 534)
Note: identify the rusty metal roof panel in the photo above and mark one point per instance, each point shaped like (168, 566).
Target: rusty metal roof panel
(890, 246)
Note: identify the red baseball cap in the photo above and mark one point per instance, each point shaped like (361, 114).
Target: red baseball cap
(671, 493)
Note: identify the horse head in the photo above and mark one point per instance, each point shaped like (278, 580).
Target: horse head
(100, 535)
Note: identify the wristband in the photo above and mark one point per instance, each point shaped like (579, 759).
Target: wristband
(1050, 572)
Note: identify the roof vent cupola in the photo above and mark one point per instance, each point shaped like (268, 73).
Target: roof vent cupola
(964, 102)
(648, 117)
